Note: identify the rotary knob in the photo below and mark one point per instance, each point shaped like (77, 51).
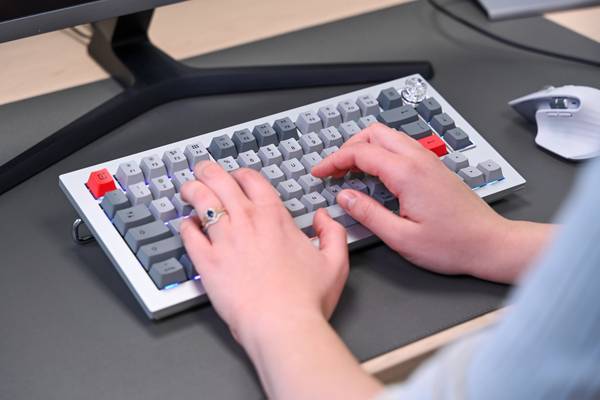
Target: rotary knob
(414, 90)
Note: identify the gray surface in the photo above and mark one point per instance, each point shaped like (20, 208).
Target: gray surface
(71, 329)
(497, 9)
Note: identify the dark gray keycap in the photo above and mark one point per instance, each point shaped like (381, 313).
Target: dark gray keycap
(221, 147)
(416, 130)
(195, 152)
(472, 176)
(330, 116)
(188, 266)
(354, 175)
(265, 135)
(349, 129)
(174, 225)
(249, 159)
(163, 209)
(373, 184)
(491, 170)
(457, 138)
(310, 183)
(367, 120)
(456, 161)
(330, 193)
(114, 201)
(182, 207)
(161, 187)
(295, 207)
(147, 233)
(329, 151)
(152, 167)
(175, 161)
(310, 160)
(228, 163)
(389, 98)
(349, 111)
(308, 121)
(161, 250)
(285, 129)
(290, 189)
(386, 198)
(167, 272)
(313, 201)
(290, 148)
(356, 184)
(293, 169)
(181, 177)
(331, 137)
(270, 155)
(127, 218)
(311, 142)
(129, 174)
(244, 140)
(428, 108)
(273, 174)
(139, 194)
(396, 117)
(441, 123)
(368, 105)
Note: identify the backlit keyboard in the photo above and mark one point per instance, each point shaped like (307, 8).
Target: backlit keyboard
(133, 208)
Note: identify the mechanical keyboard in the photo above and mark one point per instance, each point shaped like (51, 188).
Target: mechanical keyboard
(133, 208)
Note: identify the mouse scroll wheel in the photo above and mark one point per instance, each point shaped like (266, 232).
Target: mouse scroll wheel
(559, 102)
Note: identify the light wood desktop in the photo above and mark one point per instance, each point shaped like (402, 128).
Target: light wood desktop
(58, 60)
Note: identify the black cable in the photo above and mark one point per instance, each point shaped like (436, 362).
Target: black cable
(509, 42)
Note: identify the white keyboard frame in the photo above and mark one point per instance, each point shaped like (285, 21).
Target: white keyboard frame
(161, 303)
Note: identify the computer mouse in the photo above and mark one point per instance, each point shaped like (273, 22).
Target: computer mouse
(567, 117)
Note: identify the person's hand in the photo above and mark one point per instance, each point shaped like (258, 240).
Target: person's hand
(442, 225)
(255, 264)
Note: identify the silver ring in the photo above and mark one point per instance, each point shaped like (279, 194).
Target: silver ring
(211, 216)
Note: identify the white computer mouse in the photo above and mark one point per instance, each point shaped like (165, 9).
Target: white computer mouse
(567, 117)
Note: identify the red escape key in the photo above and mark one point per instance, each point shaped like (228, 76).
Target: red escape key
(435, 144)
(100, 182)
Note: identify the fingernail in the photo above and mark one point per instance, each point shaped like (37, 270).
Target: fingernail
(346, 198)
(187, 190)
(205, 168)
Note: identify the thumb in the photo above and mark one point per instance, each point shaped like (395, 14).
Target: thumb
(332, 237)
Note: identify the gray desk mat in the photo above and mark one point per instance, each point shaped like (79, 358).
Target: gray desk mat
(71, 328)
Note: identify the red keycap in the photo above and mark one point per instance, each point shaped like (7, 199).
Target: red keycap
(435, 144)
(100, 182)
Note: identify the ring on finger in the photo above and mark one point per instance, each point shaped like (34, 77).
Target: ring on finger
(210, 217)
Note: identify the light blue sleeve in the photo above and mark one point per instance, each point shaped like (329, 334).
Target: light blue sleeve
(548, 344)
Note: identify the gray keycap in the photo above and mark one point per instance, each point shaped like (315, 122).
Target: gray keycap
(244, 140)
(270, 155)
(290, 148)
(311, 142)
(304, 222)
(293, 169)
(114, 201)
(348, 110)
(195, 152)
(221, 147)
(330, 116)
(163, 209)
(330, 194)
(129, 174)
(174, 225)
(349, 129)
(472, 176)
(182, 207)
(368, 105)
(290, 189)
(329, 151)
(181, 177)
(152, 167)
(127, 218)
(308, 121)
(310, 160)
(457, 138)
(249, 159)
(373, 184)
(273, 174)
(310, 183)
(167, 272)
(365, 121)
(228, 163)
(491, 170)
(139, 194)
(285, 129)
(295, 207)
(386, 198)
(428, 108)
(456, 161)
(416, 130)
(441, 123)
(147, 233)
(175, 161)
(331, 137)
(396, 117)
(265, 135)
(389, 98)
(313, 201)
(188, 266)
(161, 250)
(356, 184)
(161, 187)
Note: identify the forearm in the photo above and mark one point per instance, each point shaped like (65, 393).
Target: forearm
(302, 357)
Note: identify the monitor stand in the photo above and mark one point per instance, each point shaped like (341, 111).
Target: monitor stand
(151, 78)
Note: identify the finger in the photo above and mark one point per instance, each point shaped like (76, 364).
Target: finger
(366, 157)
(332, 237)
(255, 186)
(197, 245)
(388, 138)
(201, 197)
(388, 226)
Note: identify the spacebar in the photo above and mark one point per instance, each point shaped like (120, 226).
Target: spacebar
(305, 222)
